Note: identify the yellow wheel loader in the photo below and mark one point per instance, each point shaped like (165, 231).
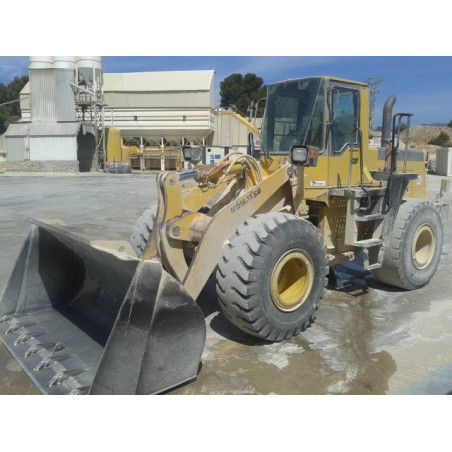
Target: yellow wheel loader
(93, 317)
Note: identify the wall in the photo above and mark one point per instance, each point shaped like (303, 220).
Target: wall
(43, 166)
(231, 130)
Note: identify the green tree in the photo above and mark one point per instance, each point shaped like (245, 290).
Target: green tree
(237, 91)
(441, 140)
(450, 124)
(10, 113)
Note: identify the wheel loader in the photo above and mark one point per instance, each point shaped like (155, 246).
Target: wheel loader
(97, 317)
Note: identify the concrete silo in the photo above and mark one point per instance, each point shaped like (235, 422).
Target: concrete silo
(59, 137)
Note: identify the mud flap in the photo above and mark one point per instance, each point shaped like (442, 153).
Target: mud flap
(86, 317)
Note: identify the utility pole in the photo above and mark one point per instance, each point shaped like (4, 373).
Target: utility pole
(373, 82)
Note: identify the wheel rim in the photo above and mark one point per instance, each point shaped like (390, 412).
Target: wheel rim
(423, 247)
(292, 280)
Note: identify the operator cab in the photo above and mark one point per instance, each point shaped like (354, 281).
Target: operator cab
(315, 111)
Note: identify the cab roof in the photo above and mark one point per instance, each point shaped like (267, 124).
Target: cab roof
(325, 77)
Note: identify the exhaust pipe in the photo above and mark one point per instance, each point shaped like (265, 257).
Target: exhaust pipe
(387, 119)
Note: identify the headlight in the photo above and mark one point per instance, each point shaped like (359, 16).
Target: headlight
(304, 155)
(299, 155)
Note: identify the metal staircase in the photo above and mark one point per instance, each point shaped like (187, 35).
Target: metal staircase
(364, 222)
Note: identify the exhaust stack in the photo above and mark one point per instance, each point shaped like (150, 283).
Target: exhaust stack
(387, 118)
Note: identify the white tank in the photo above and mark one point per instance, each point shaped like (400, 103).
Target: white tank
(64, 62)
(41, 62)
(89, 67)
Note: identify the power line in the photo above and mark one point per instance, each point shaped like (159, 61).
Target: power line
(13, 101)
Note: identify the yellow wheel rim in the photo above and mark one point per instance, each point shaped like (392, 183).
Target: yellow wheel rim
(423, 247)
(292, 280)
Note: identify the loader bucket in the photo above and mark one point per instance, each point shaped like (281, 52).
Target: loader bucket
(85, 317)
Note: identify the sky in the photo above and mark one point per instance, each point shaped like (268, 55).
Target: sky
(422, 84)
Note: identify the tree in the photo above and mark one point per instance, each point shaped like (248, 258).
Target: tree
(450, 124)
(441, 140)
(11, 112)
(237, 91)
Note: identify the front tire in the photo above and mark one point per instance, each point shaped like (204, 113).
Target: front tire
(143, 230)
(413, 251)
(272, 275)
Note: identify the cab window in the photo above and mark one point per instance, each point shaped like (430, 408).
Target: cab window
(345, 106)
(294, 115)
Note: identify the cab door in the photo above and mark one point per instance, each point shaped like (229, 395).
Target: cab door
(344, 120)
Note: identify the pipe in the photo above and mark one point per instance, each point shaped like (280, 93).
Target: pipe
(387, 118)
(188, 175)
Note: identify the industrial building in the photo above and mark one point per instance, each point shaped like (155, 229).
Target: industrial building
(61, 126)
(70, 104)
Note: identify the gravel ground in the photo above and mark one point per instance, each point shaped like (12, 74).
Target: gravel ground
(373, 341)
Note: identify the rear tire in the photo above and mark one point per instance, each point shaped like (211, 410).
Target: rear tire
(413, 251)
(272, 275)
(143, 230)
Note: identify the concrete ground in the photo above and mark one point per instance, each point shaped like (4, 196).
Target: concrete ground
(373, 341)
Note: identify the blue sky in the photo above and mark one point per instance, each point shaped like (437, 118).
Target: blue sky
(422, 84)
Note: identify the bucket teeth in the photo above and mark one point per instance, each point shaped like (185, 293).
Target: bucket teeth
(59, 347)
(23, 339)
(56, 357)
(61, 377)
(13, 329)
(33, 351)
(58, 379)
(82, 390)
(44, 364)
(8, 317)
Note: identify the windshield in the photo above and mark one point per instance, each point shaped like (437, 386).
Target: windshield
(293, 115)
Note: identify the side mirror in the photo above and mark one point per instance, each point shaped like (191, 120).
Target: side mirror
(304, 155)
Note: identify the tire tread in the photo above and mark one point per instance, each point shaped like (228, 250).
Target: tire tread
(248, 247)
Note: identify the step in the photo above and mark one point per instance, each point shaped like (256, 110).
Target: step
(373, 266)
(384, 175)
(369, 243)
(370, 217)
(357, 192)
